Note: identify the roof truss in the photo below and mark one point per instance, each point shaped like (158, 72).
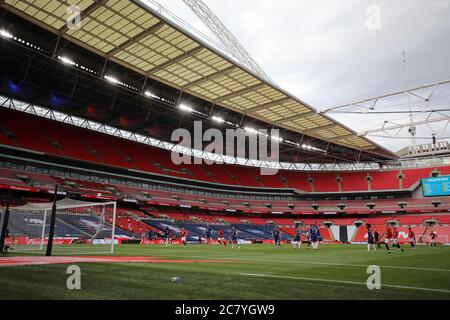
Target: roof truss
(135, 36)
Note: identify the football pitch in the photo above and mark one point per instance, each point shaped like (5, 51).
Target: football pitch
(259, 272)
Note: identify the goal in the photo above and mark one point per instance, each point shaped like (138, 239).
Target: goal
(426, 240)
(80, 227)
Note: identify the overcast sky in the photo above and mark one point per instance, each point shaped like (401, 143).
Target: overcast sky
(323, 52)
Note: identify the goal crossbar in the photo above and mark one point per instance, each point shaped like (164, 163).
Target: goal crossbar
(81, 227)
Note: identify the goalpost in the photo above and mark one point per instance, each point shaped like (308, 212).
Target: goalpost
(441, 240)
(80, 227)
(426, 240)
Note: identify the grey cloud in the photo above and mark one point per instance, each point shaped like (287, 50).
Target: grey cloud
(322, 51)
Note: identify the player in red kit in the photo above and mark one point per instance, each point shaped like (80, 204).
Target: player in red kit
(394, 237)
(184, 237)
(396, 242)
(220, 238)
(433, 236)
(389, 238)
(412, 238)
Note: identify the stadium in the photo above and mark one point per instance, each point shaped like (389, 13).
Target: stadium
(92, 94)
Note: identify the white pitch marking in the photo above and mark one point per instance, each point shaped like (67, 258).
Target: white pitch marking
(295, 262)
(339, 264)
(340, 281)
(223, 256)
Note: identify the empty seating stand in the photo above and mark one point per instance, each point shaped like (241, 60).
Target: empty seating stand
(385, 180)
(298, 180)
(353, 181)
(62, 140)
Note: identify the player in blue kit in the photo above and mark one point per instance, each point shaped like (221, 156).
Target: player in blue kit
(276, 237)
(234, 238)
(208, 235)
(314, 237)
(297, 238)
(370, 238)
(167, 236)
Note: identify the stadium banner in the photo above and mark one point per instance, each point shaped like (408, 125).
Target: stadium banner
(59, 192)
(268, 241)
(158, 242)
(106, 241)
(209, 208)
(11, 241)
(178, 242)
(98, 196)
(161, 204)
(17, 188)
(360, 212)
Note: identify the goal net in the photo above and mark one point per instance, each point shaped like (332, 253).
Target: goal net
(426, 240)
(80, 227)
(441, 239)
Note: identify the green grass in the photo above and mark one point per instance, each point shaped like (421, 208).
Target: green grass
(251, 272)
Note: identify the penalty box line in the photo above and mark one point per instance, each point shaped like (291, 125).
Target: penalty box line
(223, 256)
(257, 275)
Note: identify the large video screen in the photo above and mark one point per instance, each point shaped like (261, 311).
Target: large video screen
(434, 187)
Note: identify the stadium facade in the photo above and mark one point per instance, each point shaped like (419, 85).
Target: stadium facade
(92, 110)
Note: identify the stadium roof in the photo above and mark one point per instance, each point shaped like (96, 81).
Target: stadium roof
(135, 36)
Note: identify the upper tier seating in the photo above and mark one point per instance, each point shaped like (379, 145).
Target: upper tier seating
(379, 179)
(18, 129)
(355, 181)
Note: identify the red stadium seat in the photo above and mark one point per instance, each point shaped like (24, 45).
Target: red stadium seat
(81, 144)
